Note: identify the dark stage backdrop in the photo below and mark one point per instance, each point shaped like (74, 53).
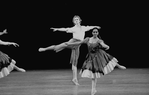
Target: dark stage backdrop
(29, 23)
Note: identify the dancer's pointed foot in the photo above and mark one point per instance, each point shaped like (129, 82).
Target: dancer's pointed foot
(93, 92)
(75, 81)
(121, 67)
(21, 70)
(41, 49)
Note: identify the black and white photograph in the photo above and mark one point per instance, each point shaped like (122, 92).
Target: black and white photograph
(73, 48)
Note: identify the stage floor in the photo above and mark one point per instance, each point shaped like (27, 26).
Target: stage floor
(58, 82)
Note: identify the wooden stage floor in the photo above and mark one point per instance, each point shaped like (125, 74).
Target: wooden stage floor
(58, 82)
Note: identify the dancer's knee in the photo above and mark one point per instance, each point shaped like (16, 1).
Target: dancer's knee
(61, 46)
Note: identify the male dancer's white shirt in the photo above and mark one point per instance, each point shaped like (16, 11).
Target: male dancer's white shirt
(79, 33)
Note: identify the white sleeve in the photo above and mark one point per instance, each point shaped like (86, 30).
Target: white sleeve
(70, 30)
(87, 28)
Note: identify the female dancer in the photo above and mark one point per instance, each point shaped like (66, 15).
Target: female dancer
(78, 32)
(6, 63)
(98, 62)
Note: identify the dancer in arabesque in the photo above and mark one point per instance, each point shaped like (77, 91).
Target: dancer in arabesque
(7, 64)
(98, 62)
(78, 32)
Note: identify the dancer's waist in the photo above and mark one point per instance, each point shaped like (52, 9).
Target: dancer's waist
(76, 39)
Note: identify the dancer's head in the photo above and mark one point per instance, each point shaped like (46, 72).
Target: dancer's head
(95, 33)
(77, 20)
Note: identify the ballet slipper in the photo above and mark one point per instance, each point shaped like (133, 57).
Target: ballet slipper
(75, 81)
(121, 67)
(21, 70)
(93, 92)
(41, 49)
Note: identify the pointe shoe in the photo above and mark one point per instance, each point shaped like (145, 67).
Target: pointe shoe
(41, 49)
(121, 67)
(21, 70)
(75, 82)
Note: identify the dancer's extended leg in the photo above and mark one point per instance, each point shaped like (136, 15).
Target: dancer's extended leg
(16, 67)
(118, 65)
(47, 48)
(19, 69)
(57, 48)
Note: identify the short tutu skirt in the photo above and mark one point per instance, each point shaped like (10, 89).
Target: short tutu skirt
(6, 64)
(98, 64)
(75, 51)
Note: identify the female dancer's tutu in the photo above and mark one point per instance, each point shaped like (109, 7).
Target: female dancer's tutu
(7, 64)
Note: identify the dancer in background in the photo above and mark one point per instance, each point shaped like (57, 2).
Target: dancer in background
(6, 63)
(78, 32)
(98, 62)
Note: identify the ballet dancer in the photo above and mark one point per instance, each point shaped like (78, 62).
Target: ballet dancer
(78, 32)
(98, 62)
(6, 63)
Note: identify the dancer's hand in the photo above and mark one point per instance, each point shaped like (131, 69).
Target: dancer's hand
(107, 48)
(98, 27)
(5, 31)
(15, 44)
(54, 29)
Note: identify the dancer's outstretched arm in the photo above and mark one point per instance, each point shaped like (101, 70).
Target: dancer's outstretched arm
(8, 43)
(4, 32)
(91, 27)
(62, 29)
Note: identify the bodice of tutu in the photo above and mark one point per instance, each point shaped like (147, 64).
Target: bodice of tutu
(94, 47)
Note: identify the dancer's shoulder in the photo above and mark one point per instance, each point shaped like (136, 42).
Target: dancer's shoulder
(100, 40)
